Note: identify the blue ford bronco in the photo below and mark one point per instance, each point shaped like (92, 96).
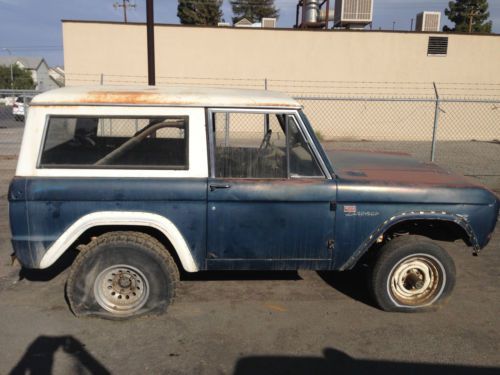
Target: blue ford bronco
(145, 182)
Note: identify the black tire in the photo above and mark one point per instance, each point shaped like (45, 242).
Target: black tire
(120, 275)
(412, 274)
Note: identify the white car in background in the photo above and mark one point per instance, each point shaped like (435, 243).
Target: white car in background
(18, 108)
(9, 101)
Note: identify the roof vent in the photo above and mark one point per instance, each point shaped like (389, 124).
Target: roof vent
(438, 46)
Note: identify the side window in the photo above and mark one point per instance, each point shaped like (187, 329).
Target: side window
(116, 142)
(260, 145)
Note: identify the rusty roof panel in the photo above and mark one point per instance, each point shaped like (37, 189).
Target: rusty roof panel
(168, 96)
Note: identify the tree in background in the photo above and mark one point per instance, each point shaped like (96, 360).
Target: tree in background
(199, 12)
(22, 78)
(469, 16)
(253, 10)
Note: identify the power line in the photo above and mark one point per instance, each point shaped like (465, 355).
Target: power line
(31, 47)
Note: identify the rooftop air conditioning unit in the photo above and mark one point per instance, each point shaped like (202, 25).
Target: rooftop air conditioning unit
(429, 21)
(353, 14)
(269, 23)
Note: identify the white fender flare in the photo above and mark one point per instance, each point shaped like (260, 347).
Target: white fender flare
(103, 218)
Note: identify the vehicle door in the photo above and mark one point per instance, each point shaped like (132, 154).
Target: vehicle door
(270, 196)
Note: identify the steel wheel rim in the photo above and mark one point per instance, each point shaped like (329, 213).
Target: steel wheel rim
(121, 289)
(415, 281)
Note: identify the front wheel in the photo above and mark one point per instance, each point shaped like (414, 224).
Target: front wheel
(412, 274)
(122, 275)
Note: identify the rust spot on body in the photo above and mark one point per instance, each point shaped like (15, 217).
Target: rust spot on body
(432, 175)
(180, 96)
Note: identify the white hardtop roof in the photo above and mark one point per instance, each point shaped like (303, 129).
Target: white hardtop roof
(168, 96)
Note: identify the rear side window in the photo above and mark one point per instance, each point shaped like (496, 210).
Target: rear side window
(116, 142)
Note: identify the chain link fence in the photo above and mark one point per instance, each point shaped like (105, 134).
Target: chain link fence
(461, 134)
(14, 106)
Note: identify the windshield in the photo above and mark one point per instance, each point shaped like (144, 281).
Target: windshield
(318, 145)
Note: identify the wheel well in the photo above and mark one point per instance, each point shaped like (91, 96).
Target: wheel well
(96, 231)
(438, 230)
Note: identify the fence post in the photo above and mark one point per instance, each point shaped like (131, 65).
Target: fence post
(266, 116)
(25, 106)
(436, 121)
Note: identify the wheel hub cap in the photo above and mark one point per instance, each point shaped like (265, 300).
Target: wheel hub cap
(416, 281)
(121, 289)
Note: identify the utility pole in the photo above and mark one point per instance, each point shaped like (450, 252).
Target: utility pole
(411, 26)
(11, 69)
(393, 25)
(125, 4)
(150, 28)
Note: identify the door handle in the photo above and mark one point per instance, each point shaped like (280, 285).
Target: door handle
(214, 187)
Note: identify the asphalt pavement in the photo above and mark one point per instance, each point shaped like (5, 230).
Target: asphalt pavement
(252, 323)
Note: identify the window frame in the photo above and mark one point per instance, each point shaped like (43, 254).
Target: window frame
(287, 112)
(184, 167)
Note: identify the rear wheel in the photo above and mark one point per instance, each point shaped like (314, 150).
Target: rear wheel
(412, 274)
(122, 275)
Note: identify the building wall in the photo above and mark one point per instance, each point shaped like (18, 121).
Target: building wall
(334, 63)
(114, 48)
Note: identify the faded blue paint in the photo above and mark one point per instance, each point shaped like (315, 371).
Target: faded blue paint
(271, 219)
(53, 204)
(387, 188)
(264, 224)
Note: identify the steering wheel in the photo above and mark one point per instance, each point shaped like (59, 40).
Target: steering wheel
(265, 142)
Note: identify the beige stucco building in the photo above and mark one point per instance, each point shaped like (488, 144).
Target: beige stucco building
(308, 62)
(309, 58)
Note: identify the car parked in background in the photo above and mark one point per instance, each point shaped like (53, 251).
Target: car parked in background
(19, 107)
(8, 101)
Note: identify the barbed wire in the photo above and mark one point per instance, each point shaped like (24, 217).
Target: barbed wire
(271, 80)
(294, 87)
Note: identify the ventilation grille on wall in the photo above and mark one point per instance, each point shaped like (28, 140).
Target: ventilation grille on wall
(438, 46)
